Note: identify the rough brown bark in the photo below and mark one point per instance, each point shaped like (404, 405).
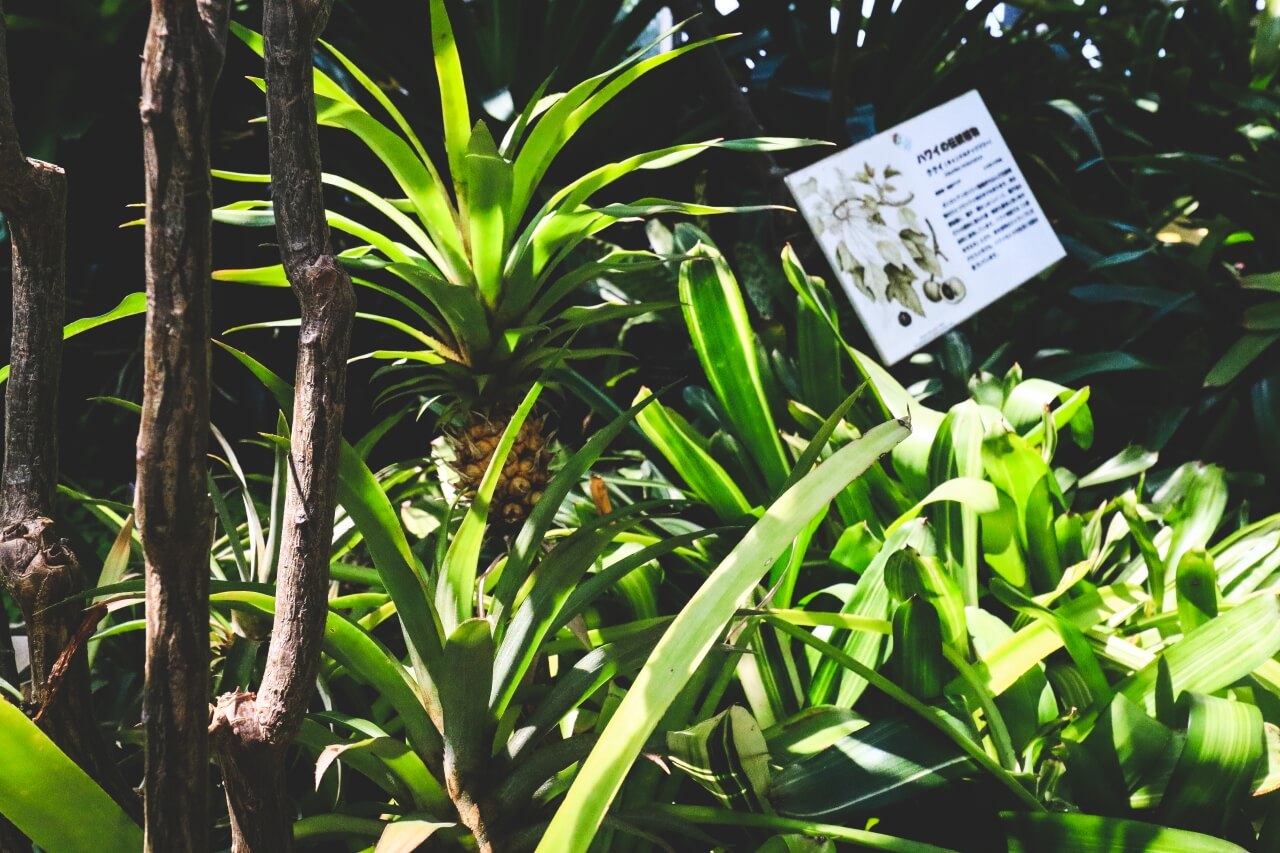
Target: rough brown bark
(252, 732)
(252, 776)
(36, 569)
(33, 196)
(182, 60)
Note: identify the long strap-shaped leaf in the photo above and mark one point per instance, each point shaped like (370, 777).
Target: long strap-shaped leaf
(131, 305)
(687, 453)
(345, 111)
(1033, 833)
(870, 599)
(374, 200)
(557, 575)
(563, 118)
(366, 82)
(577, 192)
(728, 756)
(957, 451)
(693, 633)
(453, 95)
(572, 687)
(1003, 665)
(53, 801)
(367, 504)
(428, 196)
(1216, 654)
(386, 761)
(259, 213)
(857, 838)
(1215, 771)
(459, 306)
(888, 395)
(716, 315)
(616, 572)
(868, 770)
(466, 670)
(369, 661)
(488, 197)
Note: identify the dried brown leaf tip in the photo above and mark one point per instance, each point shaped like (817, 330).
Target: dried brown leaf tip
(600, 495)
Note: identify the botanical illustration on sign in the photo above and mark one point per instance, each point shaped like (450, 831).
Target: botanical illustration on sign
(888, 250)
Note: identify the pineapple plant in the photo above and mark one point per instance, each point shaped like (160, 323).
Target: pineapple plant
(481, 254)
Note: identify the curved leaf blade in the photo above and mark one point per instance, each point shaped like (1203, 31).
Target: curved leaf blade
(694, 631)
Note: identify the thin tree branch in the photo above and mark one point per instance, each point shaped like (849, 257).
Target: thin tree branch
(327, 303)
(37, 570)
(33, 195)
(182, 60)
(253, 731)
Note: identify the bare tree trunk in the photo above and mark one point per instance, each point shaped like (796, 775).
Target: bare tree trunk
(252, 732)
(36, 568)
(182, 60)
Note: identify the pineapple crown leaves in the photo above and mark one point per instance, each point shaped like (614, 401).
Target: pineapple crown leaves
(481, 274)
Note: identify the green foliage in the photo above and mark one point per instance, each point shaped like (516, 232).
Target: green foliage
(694, 631)
(825, 622)
(483, 271)
(1121, 640)
(131, 306)
(505, 651)
(53, 801)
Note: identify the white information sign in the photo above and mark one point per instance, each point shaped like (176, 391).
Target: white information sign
(926, 224)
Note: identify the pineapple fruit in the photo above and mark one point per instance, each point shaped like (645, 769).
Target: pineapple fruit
(524, 475)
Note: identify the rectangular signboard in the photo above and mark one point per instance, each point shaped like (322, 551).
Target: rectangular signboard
(926, 224)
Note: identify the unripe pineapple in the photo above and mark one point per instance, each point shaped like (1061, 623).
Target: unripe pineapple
(524, 475)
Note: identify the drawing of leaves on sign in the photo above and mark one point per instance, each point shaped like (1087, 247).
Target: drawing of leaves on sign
(900, 288)
(857, 271)
(921, 251)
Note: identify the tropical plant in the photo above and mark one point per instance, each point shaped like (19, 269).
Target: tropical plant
(505, 45)
(789, 601)
(1047, 684)
(1138, 693)
(1105, 661)
(475, 736)
(483, 269)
